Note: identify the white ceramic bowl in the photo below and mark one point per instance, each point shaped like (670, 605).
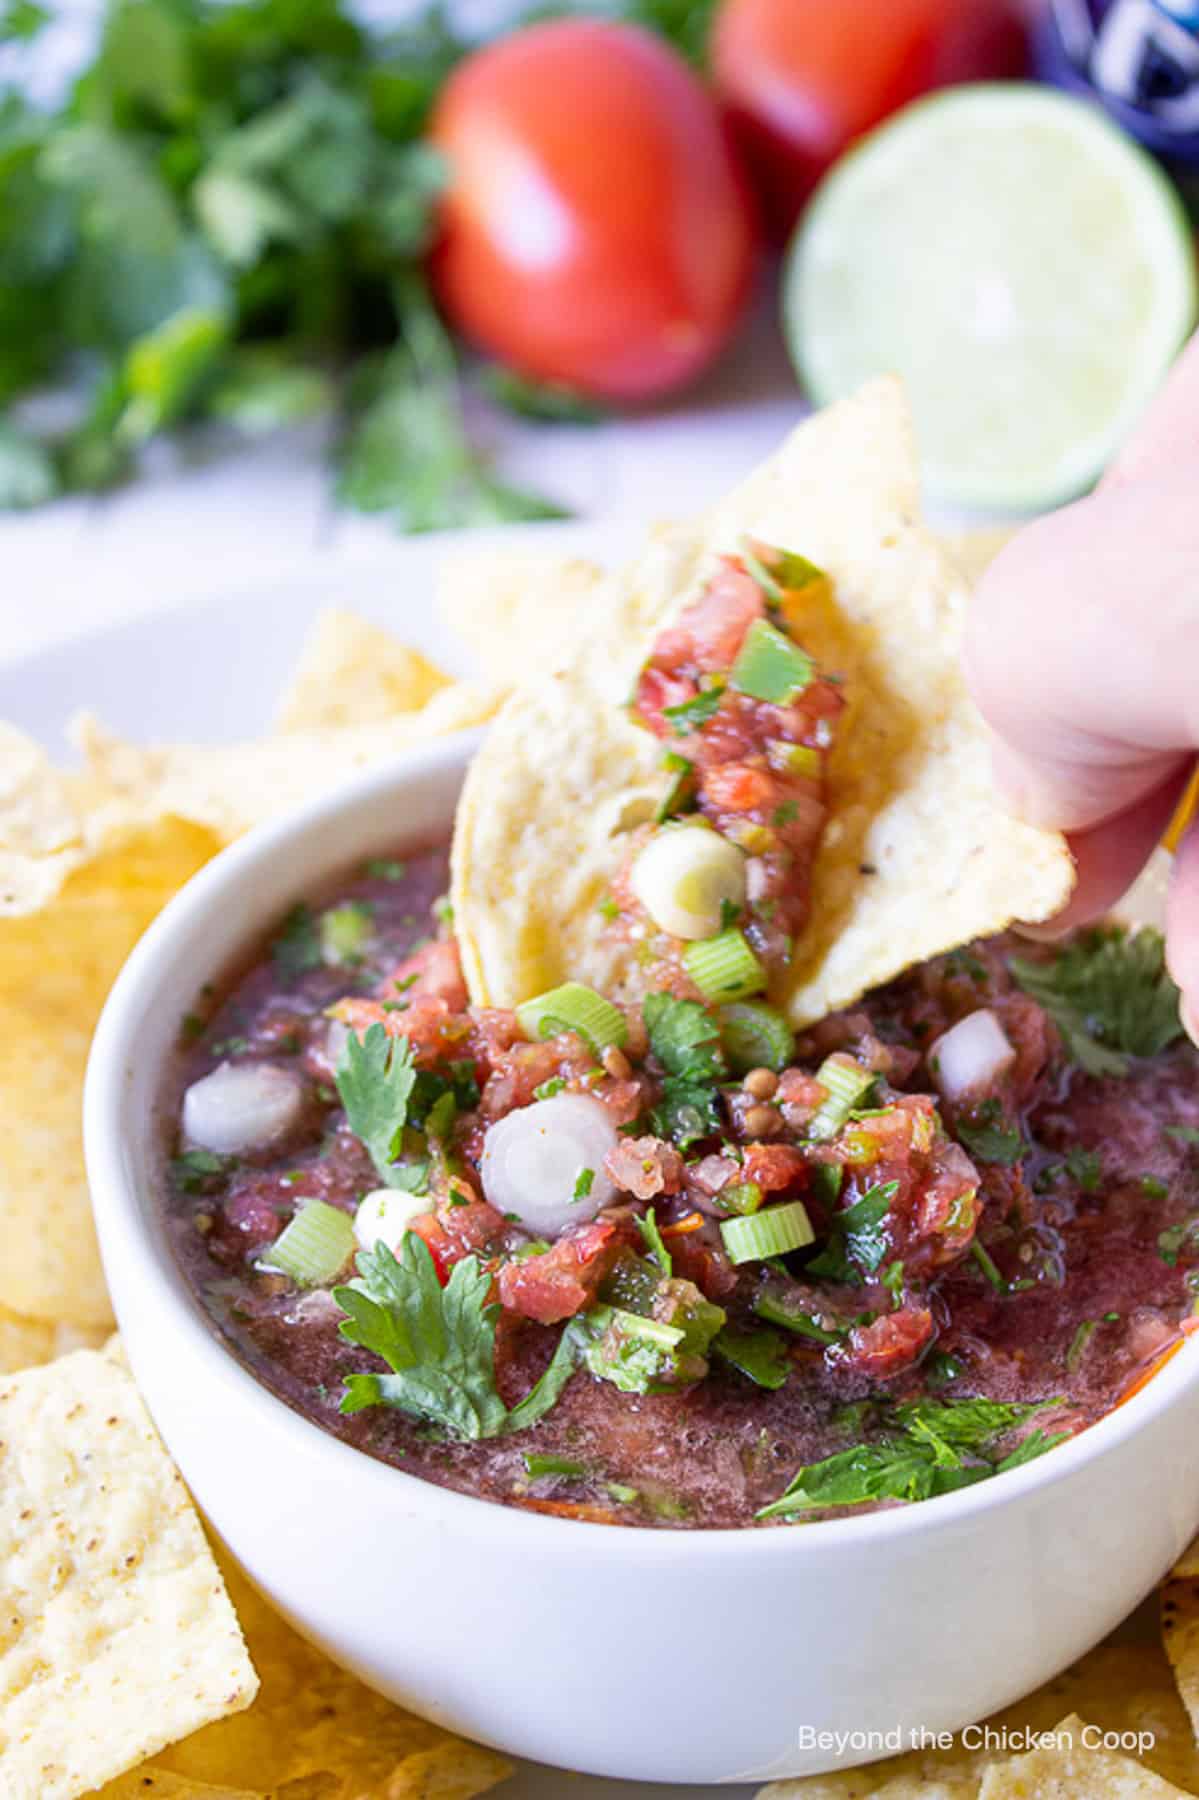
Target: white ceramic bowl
(673, 1656)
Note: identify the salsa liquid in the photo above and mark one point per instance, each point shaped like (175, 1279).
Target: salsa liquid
(1080, 1275)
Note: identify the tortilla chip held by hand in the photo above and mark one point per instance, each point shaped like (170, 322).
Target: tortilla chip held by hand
(917, 855)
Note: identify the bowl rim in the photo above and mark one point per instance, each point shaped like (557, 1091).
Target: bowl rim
(120, 1200)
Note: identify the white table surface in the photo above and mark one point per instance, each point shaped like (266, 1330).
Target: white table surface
(209, 514)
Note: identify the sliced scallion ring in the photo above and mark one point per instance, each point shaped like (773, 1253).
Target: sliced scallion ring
(573, 1007)
(755, 1036)
(771, 1233)
(315, 1246)
(848, 1083)
(686, 876)
(724, 967)
(770, 667)
(742, 1197)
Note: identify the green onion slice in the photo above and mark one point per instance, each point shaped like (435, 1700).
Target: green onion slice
(848, 1083)
(770, 1233)
(315, 1246)
(573, 1007)
(724, 967)
(770, 667)
(741, 1197)
(680, 795)
(795, 759)
(773, 1307)
(755, 1036)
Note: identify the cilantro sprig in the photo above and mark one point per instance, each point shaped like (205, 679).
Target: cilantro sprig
(375, 1078)
(685, 1038)
(1109, 994)
(226, 219)
(438, 1344)
(857, 1238)
(925, 1447)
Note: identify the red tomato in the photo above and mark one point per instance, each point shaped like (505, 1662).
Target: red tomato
(801, 79)
(597, 229)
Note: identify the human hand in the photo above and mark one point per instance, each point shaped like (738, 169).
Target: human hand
(1082, 652)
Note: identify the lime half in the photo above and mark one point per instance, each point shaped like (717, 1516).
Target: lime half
(1021, 263)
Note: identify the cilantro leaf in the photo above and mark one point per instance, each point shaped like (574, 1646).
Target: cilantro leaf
(989, 1137)
(1086, 1168)
(375, 1077)
(549, 401)
(438, 1343)
(650, 1230)
(857, 1237)
(1110, 996)
(690, 715)
(298, 945)
(685, 1038)
(926, 1447)
(761, 1355)
(1177, 1241)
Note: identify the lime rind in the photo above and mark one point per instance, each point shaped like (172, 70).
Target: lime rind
(1025, 267)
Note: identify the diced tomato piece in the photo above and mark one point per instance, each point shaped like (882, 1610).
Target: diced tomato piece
(709, 633)
(564, 1279)
(888, 1346)
(645, 1167)
(434, 972)
(655, 692)
(455, 1232)
(738, 787)
(774, 1167)
(699, 1256)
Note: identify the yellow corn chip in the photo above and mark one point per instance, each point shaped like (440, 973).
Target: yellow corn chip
(313, 1723)
(354, 673)
(1180, 1631)
(1068, 1769)
(158, 1784)
(56, 967)
(918, 855)
(520, 612)
(25, 1342)
(119, 1635)
(1121, 1687)
(230, 788)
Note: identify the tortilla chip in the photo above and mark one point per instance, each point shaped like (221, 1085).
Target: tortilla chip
(1068, 1770)
(26, 1342)
(39, 825)
(158, 1784)
(975, 549)
(230, 789)
(56, 967)
(519, 612)
(119, 1635)
(918, 856)
(353, 673)
(1180, 1632)
(1120, 1687)
(312, 1720)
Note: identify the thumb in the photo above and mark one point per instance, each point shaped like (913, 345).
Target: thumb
(1082, 652)
(1168, 434)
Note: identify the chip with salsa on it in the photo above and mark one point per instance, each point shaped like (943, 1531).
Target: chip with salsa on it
(765, 772)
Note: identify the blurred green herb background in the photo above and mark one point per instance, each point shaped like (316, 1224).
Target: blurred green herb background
(227, 220)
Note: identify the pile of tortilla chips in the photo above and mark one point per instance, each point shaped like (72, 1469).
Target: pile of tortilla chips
(130, 1663)
(1122, 1724)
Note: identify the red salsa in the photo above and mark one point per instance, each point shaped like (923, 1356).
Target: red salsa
(747, 722)
(666, 1264)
